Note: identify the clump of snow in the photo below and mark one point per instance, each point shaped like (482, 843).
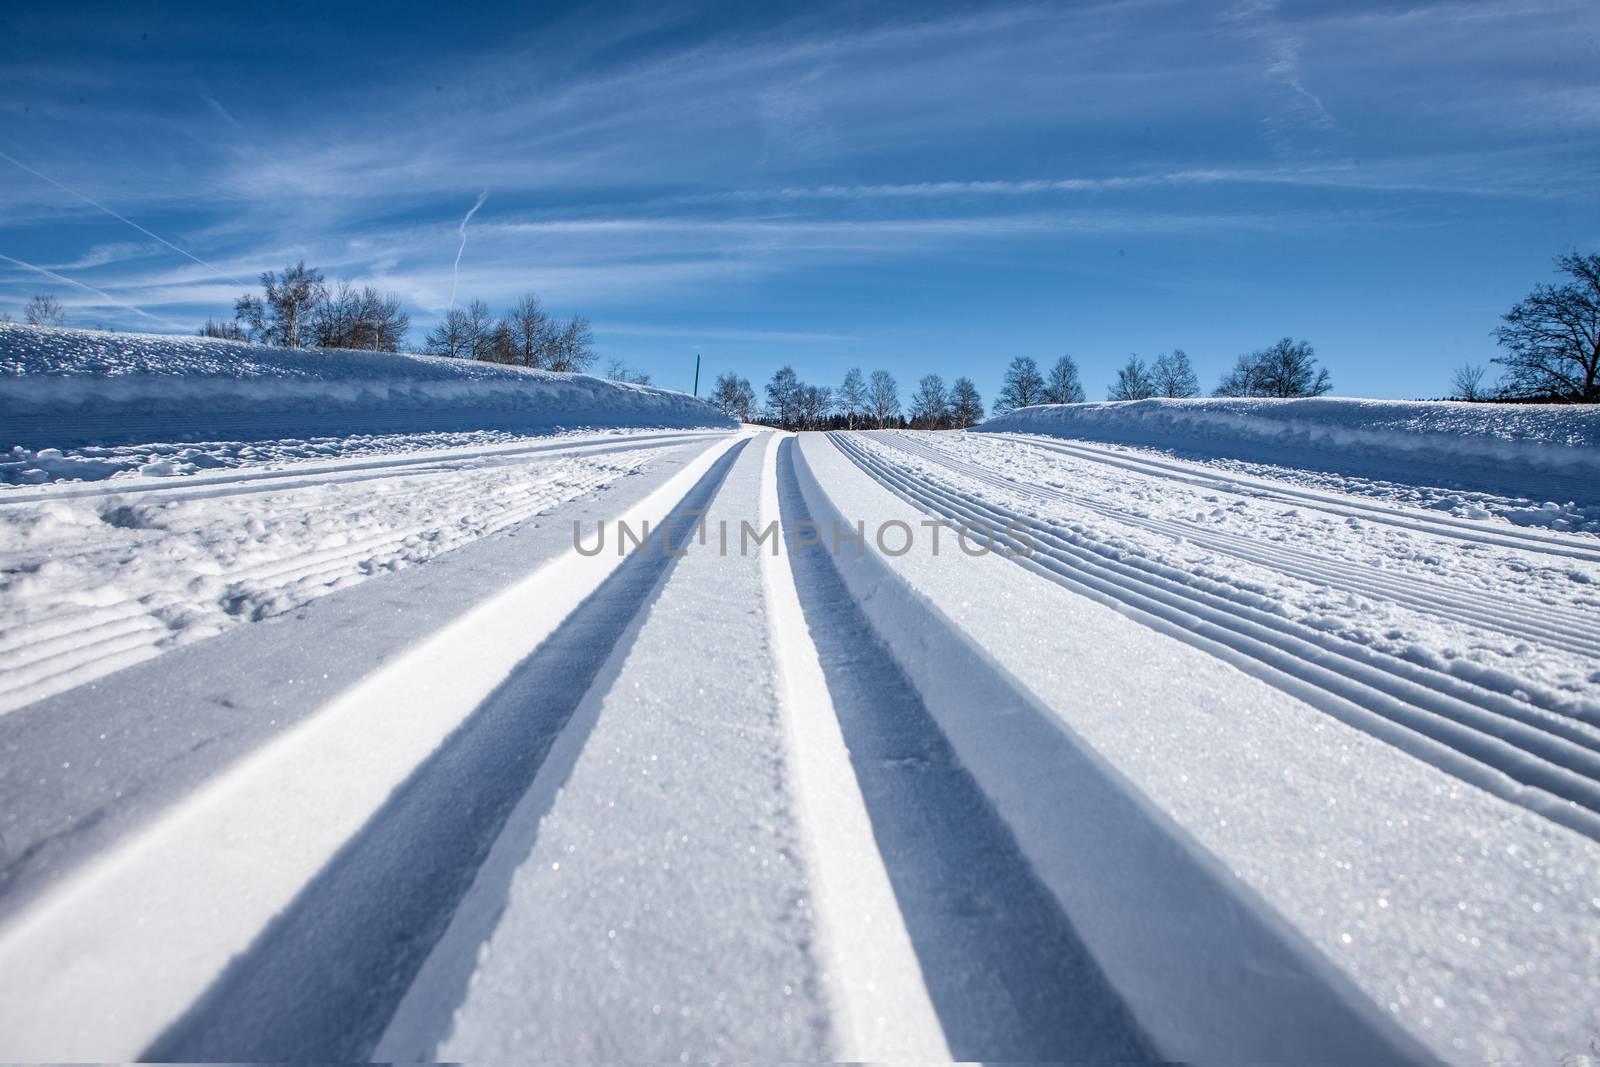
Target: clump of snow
(1431, 437)
(64, 389)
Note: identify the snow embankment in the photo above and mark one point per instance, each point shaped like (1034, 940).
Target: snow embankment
(1429, 438)
(70, 389)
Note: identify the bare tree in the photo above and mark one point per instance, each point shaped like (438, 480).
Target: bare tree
(816, 403)
(569, 347)
(384, 323)
(783, 398)
(528, 332)
(449, 337)
(1552, 337)
(1173, 376)
(480, 331)
(1133, 382)
(228, 331)
(1467, 382)
(364, 319)
(1063, 386)
(1244, 379)
(334, 319)
(1023, 386)
(1287, 369)
(733, 396)
(966, 406)
(618, 371)
(45, 310)
(883, 397)
(930, 404)
(283, 315)
(852, 397)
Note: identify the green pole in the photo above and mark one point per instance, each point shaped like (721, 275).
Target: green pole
(697, 375)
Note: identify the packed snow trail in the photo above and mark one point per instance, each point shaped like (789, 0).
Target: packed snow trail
(1552, 763)
(1463, 917)
(420, 850)
(1010, 976)
(137, 566)
(1232, 767)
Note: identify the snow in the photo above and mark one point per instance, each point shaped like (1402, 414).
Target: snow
(66, 396)
(314, 785)
(1508, 617)
(95, 578)
(1437, 443)
(1467, 919)
(666, 873)
(1283, 746)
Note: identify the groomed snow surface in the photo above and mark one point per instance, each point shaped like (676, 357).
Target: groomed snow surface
(1254, 755)
(72, 402)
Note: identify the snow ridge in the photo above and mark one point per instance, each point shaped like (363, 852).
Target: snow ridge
(1437, 433)
(63, 388)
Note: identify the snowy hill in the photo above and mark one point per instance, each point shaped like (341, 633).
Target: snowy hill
(67, 389)
(1551, 450)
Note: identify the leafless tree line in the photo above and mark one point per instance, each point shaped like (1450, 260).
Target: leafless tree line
(861, 401)
(525, 336)
(298, 309)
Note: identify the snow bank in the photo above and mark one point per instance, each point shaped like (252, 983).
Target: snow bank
(71, 388)
(1431, 438)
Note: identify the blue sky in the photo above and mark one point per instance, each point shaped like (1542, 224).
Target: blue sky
(915, 187)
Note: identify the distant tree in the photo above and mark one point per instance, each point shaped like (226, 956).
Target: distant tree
(1173, 376)
(1134, 382)
(1063, 386)
(384, 322)
(1023, 386)
(334, 318)
(966, 406)
(228, 331)
(449, 337)
(852, 397)
(784, 399)
(569, 347)
(1287, 369)
(1244, 379)
(816, 403)
(283, 314)
(1552, 337)
(733, 396)
(618, 371)
(525, 332)
(930, 404)
(1467, 382)
(365, 319)
(480, 331)
(45, 310)
(883, 397)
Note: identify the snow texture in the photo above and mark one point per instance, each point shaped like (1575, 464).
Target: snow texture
(1441, 441)
(68, 389)
(1467, 920)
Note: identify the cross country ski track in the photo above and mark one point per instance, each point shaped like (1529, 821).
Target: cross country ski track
(1101, 800)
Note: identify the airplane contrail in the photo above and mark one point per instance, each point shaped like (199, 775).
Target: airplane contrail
(124, 219)
(456, 269)
(98, 292)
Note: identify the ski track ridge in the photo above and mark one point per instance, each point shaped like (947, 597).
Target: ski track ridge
(1440, 525)
(1473, 740)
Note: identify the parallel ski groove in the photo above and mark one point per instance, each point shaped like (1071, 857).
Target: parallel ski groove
(1551, 775)
(1569, 630)
(1439, 525)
